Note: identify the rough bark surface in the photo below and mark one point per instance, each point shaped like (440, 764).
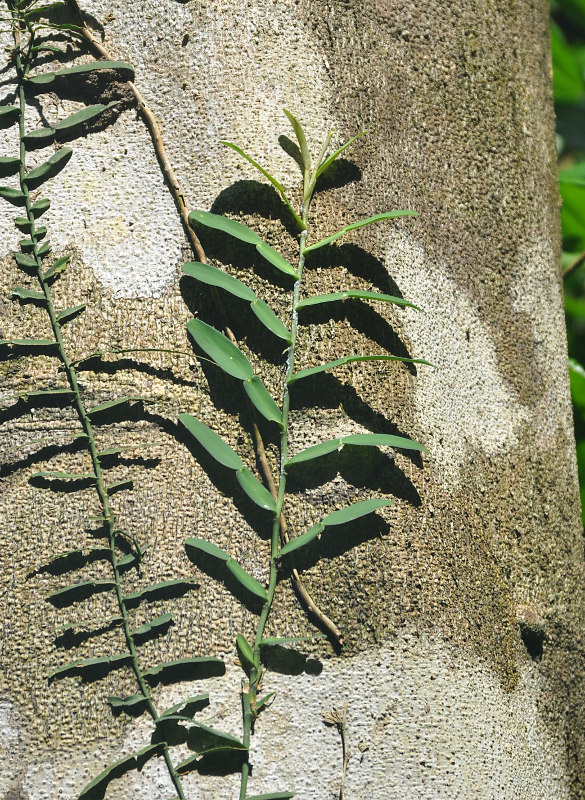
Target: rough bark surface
(447, 693)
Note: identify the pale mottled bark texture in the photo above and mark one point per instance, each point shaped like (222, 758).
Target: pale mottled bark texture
(484, 542)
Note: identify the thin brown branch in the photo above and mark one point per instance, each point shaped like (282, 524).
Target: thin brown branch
(152, 124)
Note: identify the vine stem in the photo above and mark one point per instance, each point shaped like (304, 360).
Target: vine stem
(151, 123)
(249, 693)
(108, 515)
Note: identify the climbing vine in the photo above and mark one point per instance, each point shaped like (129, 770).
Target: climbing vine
(37, 30)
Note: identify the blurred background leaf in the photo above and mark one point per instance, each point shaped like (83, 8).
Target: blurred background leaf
(568, 52)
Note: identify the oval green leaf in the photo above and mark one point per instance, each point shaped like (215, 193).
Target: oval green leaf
(246, 580)
(353, 293)
(87, 113)
(316, 451)
(229, 226)
(301, 541)
(278, 261)
(306, 373)
(211, 442)
(383, 440)
(8, 115)
(40, 207)
(219, 348)
(69, 313)
(254, 489)
(263, 400)
(246, 654)
(207, 547)
(9, 166)
(40, 137)
(269, 319)
(49, 169)
(213, 276)
(14, 196)
(27, 294)
(360, 224)
(354, 511)
(272, 796)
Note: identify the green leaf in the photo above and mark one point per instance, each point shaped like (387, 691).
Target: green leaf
(48, 77)
(354, 511)
(254, 489)
(44, 249)
(8, 116)
(109, 404)
(65, 476)
(213, 276)
(306, 373)
(158, 590)
(278, 261)
(86, 114)
(187, 668)
(577, 378)
(40, 137)
(302, 140)
(263, 700)
(57, 267)
(160, 622)
(364, 439)
(347, 514)
(211, 442)
(23, 224)
(263, 400)
(130, 558)
(351, 294)
(78, 592)
(219, 348)
(229, 226)
(69, 313)
(14, 196)
(207, 547)
(96, 788)
(246, 654)
(47, 392)
(87, 664)
(331, 158)
(302, 540)
(49, 169)
(568, 84)
(270, 640)
(29, 342)
(8, 166)
(272, 796)
(269, 319)
(24, 261)
(188, 707)
(27, 294)
(112, 488)
(355, 225)
(202, 738)
(278, 186)
(132, 701)
(246, 580)
(40, 207)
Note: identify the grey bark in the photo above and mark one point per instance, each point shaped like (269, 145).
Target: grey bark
(444, 603)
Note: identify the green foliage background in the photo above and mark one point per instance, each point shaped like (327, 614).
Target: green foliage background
(568, 47)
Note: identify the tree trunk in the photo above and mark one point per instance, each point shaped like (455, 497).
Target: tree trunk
(461, 606)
